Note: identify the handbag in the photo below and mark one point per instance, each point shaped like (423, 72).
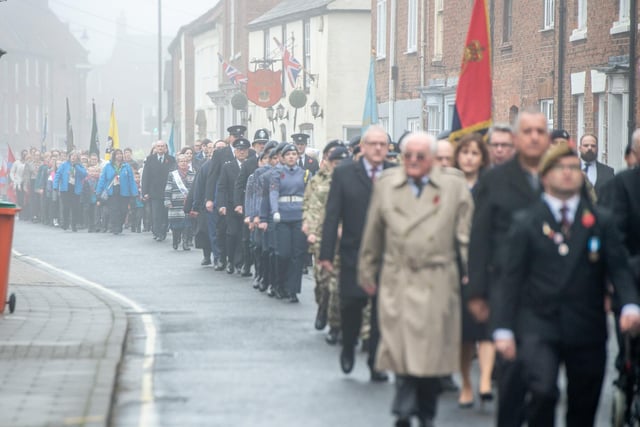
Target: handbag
(104, 194)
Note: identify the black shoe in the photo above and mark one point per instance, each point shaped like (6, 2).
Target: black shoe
(332, 336)
(486, 397)
(347, 360)
(321, 318)
(263, 287)
(403, 422)
(161, 238)
(185, 246)
(256, 283)
(447, 384)
(219, 266)
(378, 377)
(230, 268)
(175, 245)
(293, 299)
(364, 347)
(205, 261)
(270, 291)
(246, 271)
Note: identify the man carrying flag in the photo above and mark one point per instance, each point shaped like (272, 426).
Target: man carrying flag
(472, 111)
(94, 144)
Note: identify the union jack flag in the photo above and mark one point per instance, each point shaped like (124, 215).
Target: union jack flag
(290, 65)
(236, 77)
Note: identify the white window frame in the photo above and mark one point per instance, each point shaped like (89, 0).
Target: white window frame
(580, 33)
(546, 107)
(434, 119)
(412, 26)
(579, 116)
(26, 72)
(449, 110)
(507, 21)
(16, 76)
(232, 28)
(622, 24)
(306, 36)
(438, 30)
(26, 117)
(549, 14)
(414, 124)
(17, 119)
(381, 29)
(37, 123)
(384, 123)
(349, 132)
(36, 73)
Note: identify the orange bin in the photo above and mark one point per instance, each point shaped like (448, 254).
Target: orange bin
(7, 217)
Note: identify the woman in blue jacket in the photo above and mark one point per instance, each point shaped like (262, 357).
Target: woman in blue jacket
(118, 181)
(68, 181)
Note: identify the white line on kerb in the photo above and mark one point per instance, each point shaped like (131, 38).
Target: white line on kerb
(148, 409)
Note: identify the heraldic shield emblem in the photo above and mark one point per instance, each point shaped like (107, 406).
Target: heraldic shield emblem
(264, 87)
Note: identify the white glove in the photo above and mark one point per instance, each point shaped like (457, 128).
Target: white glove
(276, 217)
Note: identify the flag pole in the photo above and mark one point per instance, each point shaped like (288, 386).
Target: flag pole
(159, 69)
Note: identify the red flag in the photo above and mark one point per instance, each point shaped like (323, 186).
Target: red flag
(473, 96)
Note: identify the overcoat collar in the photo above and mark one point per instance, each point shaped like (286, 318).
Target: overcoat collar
(404, 200)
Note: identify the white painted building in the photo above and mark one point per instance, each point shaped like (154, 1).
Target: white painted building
(332, 40)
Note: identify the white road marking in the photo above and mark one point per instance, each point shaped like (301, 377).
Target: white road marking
(148, 416)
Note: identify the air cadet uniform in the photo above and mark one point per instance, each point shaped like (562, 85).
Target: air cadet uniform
(286, 195)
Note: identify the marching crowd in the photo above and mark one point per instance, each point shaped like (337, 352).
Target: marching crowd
(430, 252)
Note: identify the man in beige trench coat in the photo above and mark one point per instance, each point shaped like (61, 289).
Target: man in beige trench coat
(418, 222)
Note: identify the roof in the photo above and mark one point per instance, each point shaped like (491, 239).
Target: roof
(32, 28)
(199, 24)
(290, 8)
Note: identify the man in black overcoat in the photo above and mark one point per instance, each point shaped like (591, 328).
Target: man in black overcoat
(347, 204)
(154, 179)
(549, 305)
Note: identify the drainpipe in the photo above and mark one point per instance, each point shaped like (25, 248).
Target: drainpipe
(633, 71)
(562, 27)
(392, 67)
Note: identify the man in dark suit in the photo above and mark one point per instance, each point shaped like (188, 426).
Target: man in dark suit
(154, 179)
(304, 161)
(260, 138)
(503, 190)
(217, 225)
(224, 202)
(549, 307)
(347, 203)
(597, 173)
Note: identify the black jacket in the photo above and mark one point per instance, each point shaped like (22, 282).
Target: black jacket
(347, 203)
(248, 167)
(226, 186)
(555, 297)
(154, 175)
(605, 174)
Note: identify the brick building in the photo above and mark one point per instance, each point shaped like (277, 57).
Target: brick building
(568, 58)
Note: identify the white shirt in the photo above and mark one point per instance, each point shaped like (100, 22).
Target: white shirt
(368, 167)
(592, 172)
(555, 205)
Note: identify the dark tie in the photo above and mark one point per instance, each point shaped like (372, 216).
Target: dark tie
(419, 185)
(565, 224)
(373, 173)
(160, 159)
(300, 162)
(586, 168)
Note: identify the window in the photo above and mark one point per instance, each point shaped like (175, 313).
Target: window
(266, 40)
(46, 75)
(26, 117)
(307, 128)
(37, 123)
(433, 120)
(546, 107)
(412, 26)
(17, 120)
(349, 132)
(384, 123)
(381, 29)
(549, 14)
(449, 109)
(622, 24)
(232, 28)
(438, 30)
(580, 33)
(16, 76)
(36, 73)
(307, 53)
(413, 124)
(26, 72)
(579, 116)
(600, 116)
(507, 18)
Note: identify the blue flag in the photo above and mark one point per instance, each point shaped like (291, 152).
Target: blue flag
(370, 115)
(172, 149)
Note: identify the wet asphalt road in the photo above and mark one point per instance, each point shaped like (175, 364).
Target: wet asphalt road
(226, 355)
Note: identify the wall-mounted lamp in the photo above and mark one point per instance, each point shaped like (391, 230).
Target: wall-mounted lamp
(316, 111)
(280, 112)
(245, 117)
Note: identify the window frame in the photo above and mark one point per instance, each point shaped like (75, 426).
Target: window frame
(548, 14)
(412, 26)
(381, 29)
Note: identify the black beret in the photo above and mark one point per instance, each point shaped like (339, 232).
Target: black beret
(300, 138)
(287, 148)
(332, 144)
(339, 153)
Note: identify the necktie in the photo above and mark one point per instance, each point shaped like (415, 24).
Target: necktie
(419, 185)
(586, 168)
(300, 162)
(373, 173)
(565, 223)
(160, 159)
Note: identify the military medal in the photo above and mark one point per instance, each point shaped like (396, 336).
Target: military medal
(563, 249)
(558, 238)
(546, 230)
(594, 249)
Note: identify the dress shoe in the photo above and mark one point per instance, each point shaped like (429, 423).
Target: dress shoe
(230, 268)
(219, 266)
(256, 283)
(403, 422)
(205, 261)
(466, 405)
(347, 360)
(321, 318)
(270, 291)
(263, 286)
(246, 271)
(185, 246)
(175, 245)
(486, 397)
(293, 299)
(378, 377)
(332, 336)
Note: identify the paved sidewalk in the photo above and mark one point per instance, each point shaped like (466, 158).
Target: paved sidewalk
(59, 351)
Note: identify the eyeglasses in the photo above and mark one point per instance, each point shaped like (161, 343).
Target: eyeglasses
(573, 168)
(418, 156)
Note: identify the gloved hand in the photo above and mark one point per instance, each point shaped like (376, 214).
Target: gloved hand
(276, 217)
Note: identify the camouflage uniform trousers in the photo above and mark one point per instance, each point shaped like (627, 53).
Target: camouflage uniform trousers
(327, 290)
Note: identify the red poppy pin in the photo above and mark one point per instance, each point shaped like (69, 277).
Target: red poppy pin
(588, 219)
(436, 199)
(310, 160)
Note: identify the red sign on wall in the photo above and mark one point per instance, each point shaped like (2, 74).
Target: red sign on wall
(264, 87)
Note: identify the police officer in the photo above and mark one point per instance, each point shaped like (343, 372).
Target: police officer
(286, 195)
(225, 202)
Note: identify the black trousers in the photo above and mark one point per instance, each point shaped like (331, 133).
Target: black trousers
(351, 317)
(70, 209)
(234, 238)
(221, 236)
(416, 396)
(584, 365)
(511, 393)
(159, 218)
(291, 245)
(118, 208)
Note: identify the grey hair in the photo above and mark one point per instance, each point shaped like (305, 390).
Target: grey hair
(530, 112)
(372, 129)
(499, 127)
(433, 142)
